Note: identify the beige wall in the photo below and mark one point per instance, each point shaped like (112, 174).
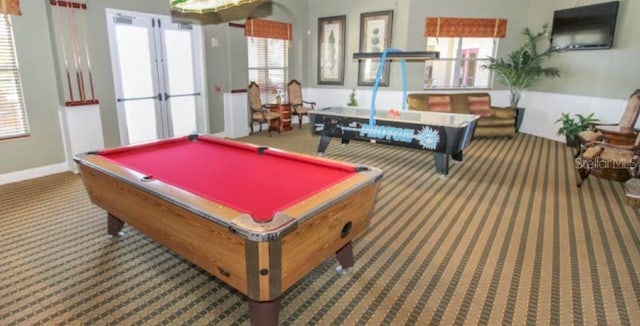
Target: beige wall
(35, 59)
(352, 10)
(610, 73)
(408, 29)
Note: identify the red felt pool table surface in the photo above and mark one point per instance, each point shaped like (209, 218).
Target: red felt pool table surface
(259, 182)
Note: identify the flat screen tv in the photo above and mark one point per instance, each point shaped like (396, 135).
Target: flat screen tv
(584, 28)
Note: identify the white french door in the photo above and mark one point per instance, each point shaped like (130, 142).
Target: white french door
(157, 72)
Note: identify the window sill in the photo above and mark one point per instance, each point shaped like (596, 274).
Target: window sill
(12, 137)
(457, 89)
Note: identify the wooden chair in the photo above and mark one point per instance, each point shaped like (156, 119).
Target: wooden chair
(260, 113)
(615, 133)
(298, 107)
(616, 162)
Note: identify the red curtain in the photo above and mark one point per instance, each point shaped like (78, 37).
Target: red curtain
(267, 28)
(10, 7)
(465, 27)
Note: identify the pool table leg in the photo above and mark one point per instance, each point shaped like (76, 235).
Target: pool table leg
(442, 163)
(345, 258)
(264, 313)
(114, 226)
(323, 144)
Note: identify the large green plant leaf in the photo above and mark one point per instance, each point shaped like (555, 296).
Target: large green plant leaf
(177, 2)
(523, 68)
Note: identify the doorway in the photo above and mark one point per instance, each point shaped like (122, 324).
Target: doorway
(158, 76)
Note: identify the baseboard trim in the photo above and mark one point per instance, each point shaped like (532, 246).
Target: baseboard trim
(33, 173)
(222, 134)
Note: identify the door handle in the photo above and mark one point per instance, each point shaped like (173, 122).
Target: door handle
(158, 97)
(167, 96)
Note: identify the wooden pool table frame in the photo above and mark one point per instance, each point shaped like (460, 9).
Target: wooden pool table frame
(260, 260)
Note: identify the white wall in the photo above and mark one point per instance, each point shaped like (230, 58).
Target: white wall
(543, 109)
(610, 73)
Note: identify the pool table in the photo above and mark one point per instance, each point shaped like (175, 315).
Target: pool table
(257, 218)
(444, 134)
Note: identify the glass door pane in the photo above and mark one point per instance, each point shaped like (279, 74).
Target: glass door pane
(179, 61)
(183, 115)
(136, 74)
(182, 87)
(141, 122)
(135, 77)
(134, 55)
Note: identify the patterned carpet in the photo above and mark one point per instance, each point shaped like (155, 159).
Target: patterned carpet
(507, 238)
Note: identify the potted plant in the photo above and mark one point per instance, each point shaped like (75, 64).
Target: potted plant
(570, 127)
(353, 101)
(522, 68)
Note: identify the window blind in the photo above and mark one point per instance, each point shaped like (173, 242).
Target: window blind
(13, 119)
(465, 27)
(267, 28)
(10, 7)
(268, 66)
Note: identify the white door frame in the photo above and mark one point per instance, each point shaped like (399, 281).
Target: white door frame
(162, 112)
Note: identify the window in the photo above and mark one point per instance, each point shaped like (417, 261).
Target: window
(460, 63)
(268, 66)
(13, 119)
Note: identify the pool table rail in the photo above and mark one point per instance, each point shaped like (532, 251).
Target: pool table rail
(240, 223)
(215, 212)
(287, 220)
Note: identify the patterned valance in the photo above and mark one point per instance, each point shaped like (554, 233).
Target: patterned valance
(10, 7)
(267, 29)
(465, 27)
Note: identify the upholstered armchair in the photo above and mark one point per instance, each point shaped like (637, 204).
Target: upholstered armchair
(260, 113)
(616, 133)
(298, 107)
(609, 161)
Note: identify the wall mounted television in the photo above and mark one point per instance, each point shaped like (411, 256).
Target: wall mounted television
(584, 28)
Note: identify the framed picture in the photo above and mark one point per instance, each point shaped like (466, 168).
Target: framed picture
(375, 36)
(331, 50)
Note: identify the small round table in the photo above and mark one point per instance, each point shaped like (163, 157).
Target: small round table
(284, 110)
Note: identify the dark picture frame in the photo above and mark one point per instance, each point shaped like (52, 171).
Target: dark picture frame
(375, 36)
(331, 50)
